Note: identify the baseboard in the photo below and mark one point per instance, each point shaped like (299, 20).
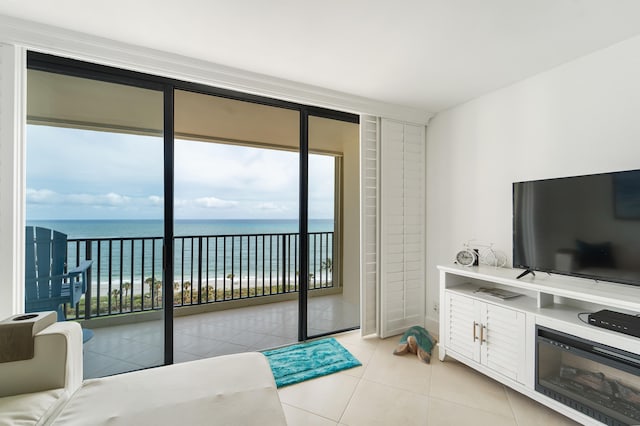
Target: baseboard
(432, 327)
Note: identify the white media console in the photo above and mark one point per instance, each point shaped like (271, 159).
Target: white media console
(498, 337)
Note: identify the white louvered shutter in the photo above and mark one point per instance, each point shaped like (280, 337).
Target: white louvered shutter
(369, 191)
(402, 242)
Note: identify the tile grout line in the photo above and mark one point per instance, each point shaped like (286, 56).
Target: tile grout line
(346, 407)
(515, 418)
(395, 386)
(309, 412)
(364, 371)
(475, 408)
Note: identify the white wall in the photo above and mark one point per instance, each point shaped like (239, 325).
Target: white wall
(582, 117)
(12, 117)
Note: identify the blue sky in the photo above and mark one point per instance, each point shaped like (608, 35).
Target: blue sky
(82, 174)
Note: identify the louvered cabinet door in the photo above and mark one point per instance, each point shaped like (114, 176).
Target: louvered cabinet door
(487, 334)
(503, 340)
(462, 326)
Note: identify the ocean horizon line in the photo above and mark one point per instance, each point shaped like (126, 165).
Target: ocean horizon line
(160, 220)
(114, 228)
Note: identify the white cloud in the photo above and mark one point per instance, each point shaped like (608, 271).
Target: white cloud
(213, 202)
(41, 196)
(234, 168)
(156, 200)
(124, 174)
(47, 196)
(273, 207)
(114, 199)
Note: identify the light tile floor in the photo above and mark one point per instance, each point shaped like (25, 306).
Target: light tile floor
(400, 390)
(122, 348)
(386, 390)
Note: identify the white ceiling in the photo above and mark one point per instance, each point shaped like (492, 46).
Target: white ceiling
(426, 54)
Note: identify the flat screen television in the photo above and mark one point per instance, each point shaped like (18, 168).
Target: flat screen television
(584, 226)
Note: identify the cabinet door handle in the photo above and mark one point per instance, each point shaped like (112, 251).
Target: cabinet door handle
(482, 339)
(475, 336)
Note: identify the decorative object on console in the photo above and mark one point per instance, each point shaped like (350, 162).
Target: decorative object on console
(467, 257)
(481, 254)
(492, 257)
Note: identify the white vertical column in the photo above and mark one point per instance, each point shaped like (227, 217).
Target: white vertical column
(12, 177)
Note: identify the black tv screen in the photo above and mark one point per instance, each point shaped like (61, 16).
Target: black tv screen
(585, 226)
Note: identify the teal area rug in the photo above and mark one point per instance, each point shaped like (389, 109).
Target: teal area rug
(304, 361)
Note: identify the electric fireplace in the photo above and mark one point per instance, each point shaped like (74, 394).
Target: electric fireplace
(597, 380)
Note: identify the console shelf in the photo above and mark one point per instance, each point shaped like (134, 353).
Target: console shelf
(554, 301)
(603, 293)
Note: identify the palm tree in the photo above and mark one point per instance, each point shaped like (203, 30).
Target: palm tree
(176, 287)
(158, 286)
(115, 292)
(186, 290)
(149, 281)
(327, 265)
(152, 282)
(126, 286)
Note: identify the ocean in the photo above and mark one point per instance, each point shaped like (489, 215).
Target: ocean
(241, 250)
(182, 227)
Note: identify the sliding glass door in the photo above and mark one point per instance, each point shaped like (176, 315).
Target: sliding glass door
(236, 225)
(180, 200)
(333, 186)
(94, 175)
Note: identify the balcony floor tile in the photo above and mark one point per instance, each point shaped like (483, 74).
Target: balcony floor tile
(121, 348)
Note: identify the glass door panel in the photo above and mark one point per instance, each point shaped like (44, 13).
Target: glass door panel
(333, 302)
(236, 226)
(94, 176)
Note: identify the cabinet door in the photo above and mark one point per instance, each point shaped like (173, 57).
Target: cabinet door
(461, 326)
(503, 340)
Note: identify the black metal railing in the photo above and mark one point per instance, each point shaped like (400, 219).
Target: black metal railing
(126, 275)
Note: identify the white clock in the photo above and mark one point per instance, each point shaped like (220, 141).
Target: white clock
(467, 257)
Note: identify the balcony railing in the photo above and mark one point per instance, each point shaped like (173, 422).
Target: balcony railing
(126, 275)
